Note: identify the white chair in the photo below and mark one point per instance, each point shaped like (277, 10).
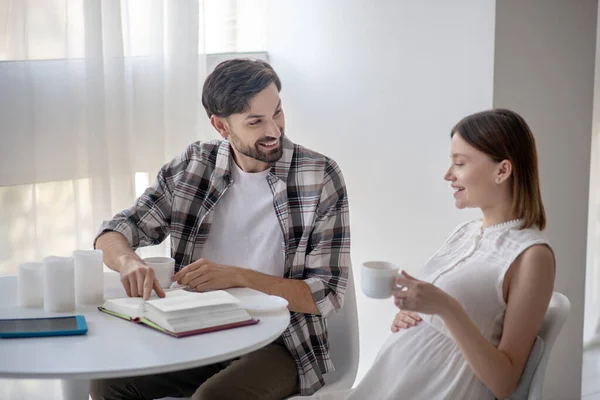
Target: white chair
(343, 342)
(532, 379)
(342, 328)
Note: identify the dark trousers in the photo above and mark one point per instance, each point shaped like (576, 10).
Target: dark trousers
(266, 374)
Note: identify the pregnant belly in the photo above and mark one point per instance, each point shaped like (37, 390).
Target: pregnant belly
(420, 363)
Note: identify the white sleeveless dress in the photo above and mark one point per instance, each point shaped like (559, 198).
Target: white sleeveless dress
(424, 362)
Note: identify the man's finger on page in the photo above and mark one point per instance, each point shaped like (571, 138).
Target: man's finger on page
(125, 283)
(133, 286)
(158, 289)
(148, 283)
(139, 279)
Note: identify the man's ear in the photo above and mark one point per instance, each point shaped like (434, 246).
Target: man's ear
(220, 124)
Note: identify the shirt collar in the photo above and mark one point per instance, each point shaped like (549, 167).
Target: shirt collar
(280, 169)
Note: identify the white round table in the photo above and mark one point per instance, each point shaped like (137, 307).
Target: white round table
(116, 348)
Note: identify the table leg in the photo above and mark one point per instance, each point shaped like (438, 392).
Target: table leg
(76, 389)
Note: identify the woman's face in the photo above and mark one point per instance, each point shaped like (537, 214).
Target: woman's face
(473, 175)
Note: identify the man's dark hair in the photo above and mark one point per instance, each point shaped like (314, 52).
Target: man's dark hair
(229, 88)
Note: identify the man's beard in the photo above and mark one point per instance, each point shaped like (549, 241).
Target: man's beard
(258, 152)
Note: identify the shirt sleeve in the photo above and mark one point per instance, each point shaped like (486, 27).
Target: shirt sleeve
(328, 257)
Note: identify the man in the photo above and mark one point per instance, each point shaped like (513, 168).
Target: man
(253, 210)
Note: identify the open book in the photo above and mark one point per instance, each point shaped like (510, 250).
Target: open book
(182, 313)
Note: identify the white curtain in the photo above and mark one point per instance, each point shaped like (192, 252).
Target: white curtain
(94, 97)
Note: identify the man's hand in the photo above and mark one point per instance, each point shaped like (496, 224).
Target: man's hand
(138, 279)
(204, 275)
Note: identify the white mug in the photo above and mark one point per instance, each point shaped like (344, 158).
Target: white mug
(378, 279)
(164, 269)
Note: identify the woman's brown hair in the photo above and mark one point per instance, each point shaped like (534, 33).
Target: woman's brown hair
(504, 135)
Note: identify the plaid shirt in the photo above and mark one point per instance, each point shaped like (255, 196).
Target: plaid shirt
(309, 196)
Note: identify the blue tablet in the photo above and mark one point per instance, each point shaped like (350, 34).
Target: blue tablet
(36, 327)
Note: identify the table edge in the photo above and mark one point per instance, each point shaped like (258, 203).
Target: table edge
(148, 370)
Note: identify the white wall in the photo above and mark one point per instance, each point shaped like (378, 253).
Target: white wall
(544, 69)
(377, 85)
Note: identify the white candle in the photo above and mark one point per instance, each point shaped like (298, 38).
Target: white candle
(30, 285)
(59, 288)
(89, 277)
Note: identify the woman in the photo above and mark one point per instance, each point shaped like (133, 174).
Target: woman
(483, 295)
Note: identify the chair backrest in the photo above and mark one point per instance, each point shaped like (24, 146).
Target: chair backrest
(342, 329)
(557, 313)
(532, 380)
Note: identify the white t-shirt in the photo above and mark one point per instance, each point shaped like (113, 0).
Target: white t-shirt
(245, 231)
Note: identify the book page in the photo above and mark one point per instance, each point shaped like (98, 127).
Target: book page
(130, 306)
(134, 306)
(191, 300)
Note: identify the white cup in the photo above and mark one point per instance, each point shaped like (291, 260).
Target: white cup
(378, 279)
(30, 285)
(164, 269)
